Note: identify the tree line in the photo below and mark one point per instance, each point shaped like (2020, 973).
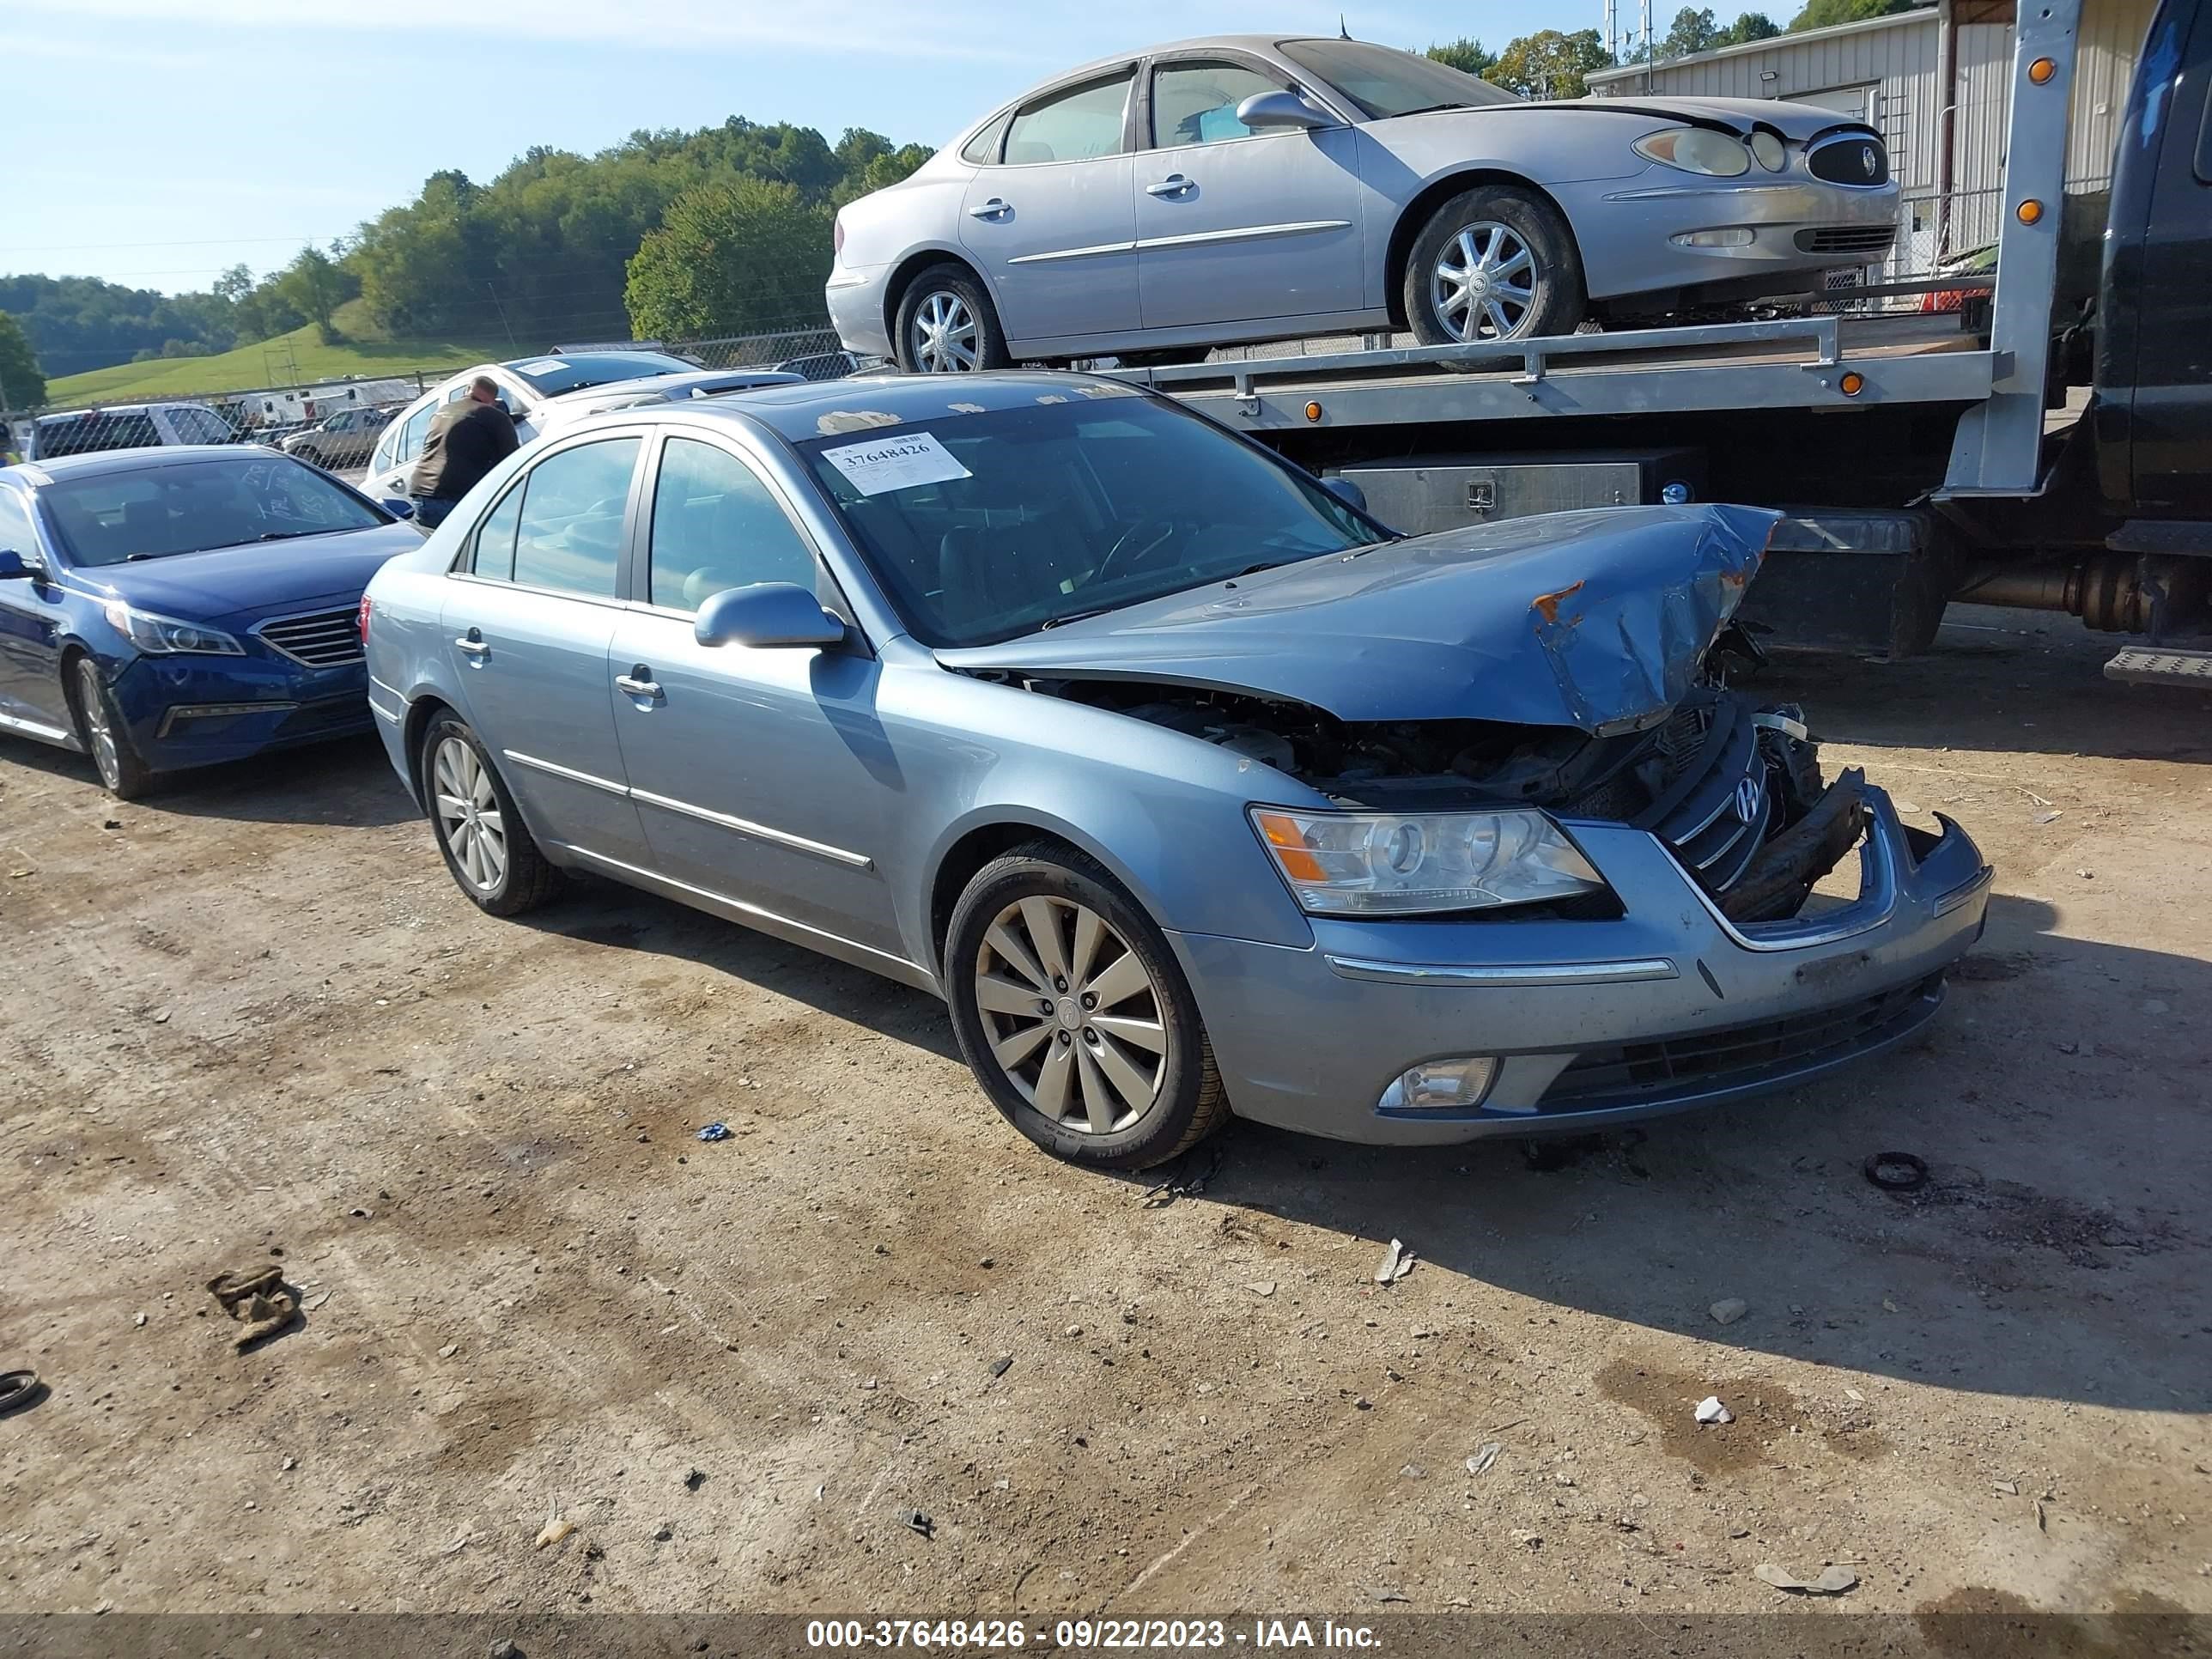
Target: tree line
(1557, 63)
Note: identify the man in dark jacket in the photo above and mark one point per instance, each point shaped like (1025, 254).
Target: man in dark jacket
(467, 438)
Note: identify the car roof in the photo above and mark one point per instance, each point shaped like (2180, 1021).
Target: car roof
(118, 409)
(129, 460)
(672, 385)
(1259, 43)
(817, 408)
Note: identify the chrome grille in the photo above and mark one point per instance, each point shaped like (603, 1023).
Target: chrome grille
(1701, 812)
(321, 639)
(1847, 239)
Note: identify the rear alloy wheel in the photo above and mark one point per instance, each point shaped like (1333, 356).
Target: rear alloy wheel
(1494, 263)
(486, 845)
(947, 325)
(104, 737)
(1072, 1014)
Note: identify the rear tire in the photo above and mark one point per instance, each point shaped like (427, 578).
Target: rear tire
(947, 325)
(1494, 262)
(105, 738)
(486, 846)
(1091, 1043)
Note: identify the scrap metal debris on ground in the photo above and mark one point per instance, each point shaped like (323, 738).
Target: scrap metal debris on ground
(259, 1299)
(1176, 1186)
(1397, 1262)
(1832, 1581)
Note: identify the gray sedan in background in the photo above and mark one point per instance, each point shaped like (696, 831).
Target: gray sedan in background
(1250, 187)
(1190, 787)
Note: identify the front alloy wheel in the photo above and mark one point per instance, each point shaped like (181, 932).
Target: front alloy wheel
(1482, 285)
(1074, 1020)
(101, 729)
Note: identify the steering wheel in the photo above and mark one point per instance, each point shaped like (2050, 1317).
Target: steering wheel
(1136, 543)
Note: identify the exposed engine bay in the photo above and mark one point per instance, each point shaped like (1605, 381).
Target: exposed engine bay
(1734, 787)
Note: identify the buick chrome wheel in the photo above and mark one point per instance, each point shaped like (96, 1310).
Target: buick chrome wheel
(1483, 285)
(1073, 1018)
(99, 734)
(942, 335)
(469, 817)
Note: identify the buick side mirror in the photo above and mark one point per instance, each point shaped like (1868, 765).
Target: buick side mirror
(1347, 492)
(766, 614)
(1265, 110)
(397, 508)
(14, 566)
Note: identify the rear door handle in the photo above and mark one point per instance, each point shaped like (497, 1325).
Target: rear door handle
(637, 683)
(990, 210)
(1174, 184)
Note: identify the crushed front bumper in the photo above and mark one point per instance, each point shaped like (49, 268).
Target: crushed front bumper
(1673, 1005)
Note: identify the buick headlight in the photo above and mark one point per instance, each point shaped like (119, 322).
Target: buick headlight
(1696, 149)
(164, 635)
(1388, 863)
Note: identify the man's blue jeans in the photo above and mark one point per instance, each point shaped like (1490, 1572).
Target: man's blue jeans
(430, 512)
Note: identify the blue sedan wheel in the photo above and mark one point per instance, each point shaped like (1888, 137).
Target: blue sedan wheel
(1072, 1014)
(105, 739)
(488, 848)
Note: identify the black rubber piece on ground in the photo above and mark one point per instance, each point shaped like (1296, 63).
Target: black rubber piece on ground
(19, 1390)
(1897, 1172)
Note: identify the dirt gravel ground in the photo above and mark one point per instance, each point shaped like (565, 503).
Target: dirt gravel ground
(252, 1022)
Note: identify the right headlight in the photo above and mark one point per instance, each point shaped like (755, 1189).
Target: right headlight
(1696, 149)
(1406, 864)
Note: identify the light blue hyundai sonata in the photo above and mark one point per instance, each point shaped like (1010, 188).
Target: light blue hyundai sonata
(1192, 789)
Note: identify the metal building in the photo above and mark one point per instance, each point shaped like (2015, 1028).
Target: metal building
(1947, 152)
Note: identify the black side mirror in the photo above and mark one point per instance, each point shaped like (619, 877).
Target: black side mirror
(14, 566)
(1347, 492)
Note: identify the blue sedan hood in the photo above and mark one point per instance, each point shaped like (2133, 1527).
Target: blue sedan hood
(260, 579)
(1593, 619)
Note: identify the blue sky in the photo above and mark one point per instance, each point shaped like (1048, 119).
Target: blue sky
(156, 142)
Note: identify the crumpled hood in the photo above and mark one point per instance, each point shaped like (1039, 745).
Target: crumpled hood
(257, 581)
(1593, 619)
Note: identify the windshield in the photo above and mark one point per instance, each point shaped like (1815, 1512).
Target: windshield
(1384, 82)
(984, 526)
(550, 376)
(110, 518)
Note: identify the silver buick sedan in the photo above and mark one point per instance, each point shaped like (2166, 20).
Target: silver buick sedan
(1191, 788)
(1248, 187)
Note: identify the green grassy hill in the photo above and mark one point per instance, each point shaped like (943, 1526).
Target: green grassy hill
(293, 359)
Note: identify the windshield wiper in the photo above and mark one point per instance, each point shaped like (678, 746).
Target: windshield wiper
(286, 535)
(1431, 109)
(1073, 617)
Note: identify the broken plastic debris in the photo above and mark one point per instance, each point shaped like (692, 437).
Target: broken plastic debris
(1484, 1456)
(555, 1528)
(1266, 1287)
(1832, 1581)
(1709, 1410)
(1397, 1262)
(1729, 1310)
(917, 1520)
(715, 1131)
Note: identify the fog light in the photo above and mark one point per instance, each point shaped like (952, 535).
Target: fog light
(1727, 236)
(1675, 494)
(1437, 1085)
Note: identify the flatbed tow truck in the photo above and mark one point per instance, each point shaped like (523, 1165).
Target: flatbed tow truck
(1920, 458)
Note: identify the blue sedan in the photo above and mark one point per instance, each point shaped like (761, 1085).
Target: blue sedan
(171, 608)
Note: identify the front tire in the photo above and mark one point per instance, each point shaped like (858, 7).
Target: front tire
(105, 738)
(1494, 262)
(487, 846)
(948, 326)
(1075, 1018)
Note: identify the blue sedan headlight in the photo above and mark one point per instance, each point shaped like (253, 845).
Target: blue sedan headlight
(162, 637)
(1394, 864)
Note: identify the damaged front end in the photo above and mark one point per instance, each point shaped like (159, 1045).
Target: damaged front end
(1732, 786)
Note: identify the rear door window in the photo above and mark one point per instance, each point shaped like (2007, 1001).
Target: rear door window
(569, 534)
(1078, 124)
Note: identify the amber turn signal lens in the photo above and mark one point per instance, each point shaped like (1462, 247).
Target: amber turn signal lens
(1313, 412)
(2041, 71)
(2030, 211)
(1853, 383)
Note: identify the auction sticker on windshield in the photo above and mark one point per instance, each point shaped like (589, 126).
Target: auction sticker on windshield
(882, 465)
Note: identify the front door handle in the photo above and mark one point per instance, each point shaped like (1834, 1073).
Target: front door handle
(473, 644)
(638, 683)
(990, 210)
(1174, 184)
